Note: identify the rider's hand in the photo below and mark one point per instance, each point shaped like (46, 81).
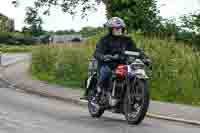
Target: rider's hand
(147, 61)
(116, 57)
(111, 57)
(107, 57)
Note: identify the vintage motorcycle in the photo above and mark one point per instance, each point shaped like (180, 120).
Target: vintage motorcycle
(128, 92)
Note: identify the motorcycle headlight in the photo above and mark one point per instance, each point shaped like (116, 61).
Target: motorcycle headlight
(135, 66)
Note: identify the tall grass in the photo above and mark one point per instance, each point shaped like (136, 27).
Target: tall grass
(15, 48)
(63, 64)
(175, 76)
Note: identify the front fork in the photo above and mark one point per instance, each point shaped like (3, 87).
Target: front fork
(112, 100)
(128, 83)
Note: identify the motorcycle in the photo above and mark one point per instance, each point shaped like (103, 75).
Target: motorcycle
(128, 91)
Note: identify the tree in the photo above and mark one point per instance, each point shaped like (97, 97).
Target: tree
(91, 31)
(3, 21)
(34, 21)
(139, 14)
(66, 5)
(191, 21)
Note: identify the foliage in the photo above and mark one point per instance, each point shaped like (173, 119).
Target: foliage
(6, 24)
(91, 31)
(51, 63)
(175, 76)
(191, 21)
(3, 20)
(138, 14)
(85, 31)
(14, 48)
(64, 32)
(66, 5)
(15, 38)
(35, 22)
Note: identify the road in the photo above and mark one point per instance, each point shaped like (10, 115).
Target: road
(25, 113)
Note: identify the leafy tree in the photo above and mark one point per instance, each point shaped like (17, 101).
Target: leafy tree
(139, 14)
(64, 32)
(191, 21)
(91, 31)
(35, 22)
(169, 27)
(66, 5)
(3, 20)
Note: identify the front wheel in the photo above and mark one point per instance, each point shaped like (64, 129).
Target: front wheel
(136, 102)
(93, 110)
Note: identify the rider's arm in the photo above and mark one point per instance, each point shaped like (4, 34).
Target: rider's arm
(100, 50)
(131, 45)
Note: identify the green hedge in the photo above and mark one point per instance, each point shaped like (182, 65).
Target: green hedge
(16, 38)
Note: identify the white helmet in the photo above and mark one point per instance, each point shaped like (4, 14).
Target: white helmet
(115, 22)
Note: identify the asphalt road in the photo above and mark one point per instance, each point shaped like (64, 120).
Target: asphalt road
(26, 113)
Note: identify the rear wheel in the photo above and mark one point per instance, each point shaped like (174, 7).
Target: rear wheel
(136, 102)
(93, 110)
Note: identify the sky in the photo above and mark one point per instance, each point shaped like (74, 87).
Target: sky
(61, 21)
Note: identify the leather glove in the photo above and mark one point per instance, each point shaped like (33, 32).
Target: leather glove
(147, 61)
(107, 57)
(116, 57)
(111, 57)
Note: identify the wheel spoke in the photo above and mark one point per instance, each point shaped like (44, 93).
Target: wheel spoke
(137, 99)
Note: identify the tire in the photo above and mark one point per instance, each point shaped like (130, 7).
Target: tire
(144, 106)
(98, 113)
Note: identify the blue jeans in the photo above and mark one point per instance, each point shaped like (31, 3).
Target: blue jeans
(105, 75)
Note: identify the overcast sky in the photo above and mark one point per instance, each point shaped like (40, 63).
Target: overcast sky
(60, 21)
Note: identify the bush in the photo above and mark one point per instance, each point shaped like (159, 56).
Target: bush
(4, 37)
(196, 41)
(16, 39)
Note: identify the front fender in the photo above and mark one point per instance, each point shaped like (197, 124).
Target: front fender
(91, 81)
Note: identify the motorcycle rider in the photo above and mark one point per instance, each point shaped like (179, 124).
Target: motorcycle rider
(109, 51)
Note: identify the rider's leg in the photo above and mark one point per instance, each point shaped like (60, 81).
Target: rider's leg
(103, 82)
(105, 74)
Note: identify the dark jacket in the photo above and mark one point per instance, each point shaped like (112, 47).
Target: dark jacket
(113, 45)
